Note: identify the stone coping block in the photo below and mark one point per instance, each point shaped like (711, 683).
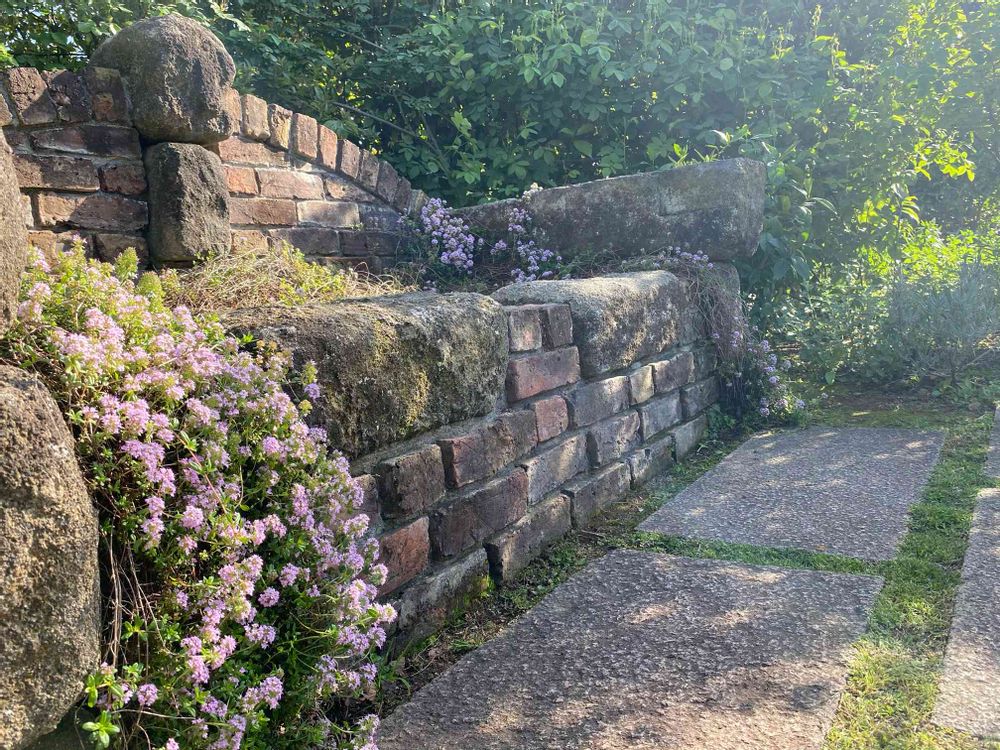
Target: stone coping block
(653, 652)
(391, 368)
(843, 491)
(970, 682)
(716, 208)
(617, 319)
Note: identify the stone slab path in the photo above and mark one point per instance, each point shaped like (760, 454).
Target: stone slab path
(970, 683)
(842, 491)
(643, 651)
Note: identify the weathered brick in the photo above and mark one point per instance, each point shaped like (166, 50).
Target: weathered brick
(551, 417)
(697, 397)
(613, 438)
(107, 94)
(404, 194)
(303, 136)
(673, 372)
(68, 93)
(237, 150)
(379, 218)
(430, 600)
(348, 159)
(417, 202)
(262, 211)
(329, 213)
(127, 178)
(368, 174)
(592, 493)
(17, 139)
(555, 466)
(706, 361)
(510, 550)
(370, 504)
(241, 180)
(6, 116)
(279, 121)
(542, 371)
(327, 147)
(486, 450)
(321, 241)
(641, 386)
(50, 242)
(110, 246)
(405, 553)
(387, 181)
(29, 96)
(95, 140)
(232, 106)
(342, 189)
(596, 401)
(651, 459)
(689, 434)
(525, 328)
(55, 172)
(411, 483)
(659, 414)
(467, 521)
(255, 124)
(557, 326)
(386, 244)
(94, 211)
(353, 243)
(284, 183)
(249, 241)
(28, 210)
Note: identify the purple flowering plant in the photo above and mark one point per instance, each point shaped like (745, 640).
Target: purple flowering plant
(241, 609)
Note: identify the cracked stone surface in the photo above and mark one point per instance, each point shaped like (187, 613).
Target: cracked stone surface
(644, 651)
(970, 682)
(992, 468)
(844, 491)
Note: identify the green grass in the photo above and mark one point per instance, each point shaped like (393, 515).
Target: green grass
(893, 676)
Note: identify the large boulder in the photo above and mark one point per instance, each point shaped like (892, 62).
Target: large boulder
(188, 203)
(50, 638)
(392, 367)
(716, 208)
(178, 76)
(13, 237)
(618, 319)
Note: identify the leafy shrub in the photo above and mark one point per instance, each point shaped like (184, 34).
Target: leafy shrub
(239, 585)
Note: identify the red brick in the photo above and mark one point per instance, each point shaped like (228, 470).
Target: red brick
(404, 194)
(651, 459)
(233, 107)
(262, 211)
(511, 550)
(284, 183)
(699, 396)
(255, 123)
(94, 211)
(303, 136)
(29, 95)
(659, 414)
(110, 246)
(555, 466)
(107, 94)
(369, 497)
(557, 324)
(330, 214)
(55, 172)
(671, 373)
(429, 602)
(327, 147)
(341, 189)
(469, 520)
(485, 451)
(313, 241)
(94, 140)
(596, 401)
(241, 180)
(405, 553)
(68, 93)
(125, 178)
(279, 121)
(641, 386)
(411, 483)
(249, 241)
(241, 151)
(525, 329)
(368, 174)
(348, 159)
(593, 493)
(542, 371)
(612, 439)
(387, 181)
(50, 242)
(551, 417)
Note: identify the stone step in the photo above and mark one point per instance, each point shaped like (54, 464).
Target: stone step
(644, 651)
(841, 491)
(970, 682)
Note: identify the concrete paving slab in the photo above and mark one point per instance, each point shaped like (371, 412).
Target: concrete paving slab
(970, 682)
(842, 491)
(643, 651)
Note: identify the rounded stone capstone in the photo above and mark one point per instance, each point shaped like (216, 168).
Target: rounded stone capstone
(50, 632)
(177, 74)
(13, 237)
